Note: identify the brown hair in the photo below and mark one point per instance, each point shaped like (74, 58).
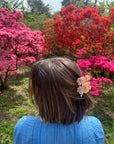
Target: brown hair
(53, 89)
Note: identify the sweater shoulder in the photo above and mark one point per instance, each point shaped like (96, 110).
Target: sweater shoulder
(23, 128)
(95, 127)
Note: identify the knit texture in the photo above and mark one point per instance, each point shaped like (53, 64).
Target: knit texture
(31, 130)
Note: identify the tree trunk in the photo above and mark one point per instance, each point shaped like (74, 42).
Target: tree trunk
(95, 3)
(1, 81)
(86, 3)
(2, 84)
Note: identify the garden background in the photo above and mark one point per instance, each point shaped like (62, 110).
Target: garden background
(82, 30)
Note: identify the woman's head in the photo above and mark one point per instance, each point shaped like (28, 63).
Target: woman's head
(53, 89)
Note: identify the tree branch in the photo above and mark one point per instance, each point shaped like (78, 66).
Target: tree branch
(95, 3)
(86, 2)
(6, 77)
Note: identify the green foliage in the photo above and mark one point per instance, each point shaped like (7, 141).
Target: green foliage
(36, 14)
(105, 6)
(34, 21)
(12, 4)
(38, 7)
(79, 3)
(5, 4)
(109, 4)
(102, 7)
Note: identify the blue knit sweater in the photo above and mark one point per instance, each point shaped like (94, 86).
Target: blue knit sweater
(31, 130)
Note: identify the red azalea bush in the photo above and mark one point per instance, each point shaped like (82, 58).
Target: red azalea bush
(18, 44)
(76, 28)
(84, 35)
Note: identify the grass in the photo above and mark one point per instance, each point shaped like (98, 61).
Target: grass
(15, 103)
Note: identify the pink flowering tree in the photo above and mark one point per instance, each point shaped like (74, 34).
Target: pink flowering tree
(19, 45)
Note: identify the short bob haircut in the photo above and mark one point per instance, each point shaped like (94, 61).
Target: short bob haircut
(53, 89)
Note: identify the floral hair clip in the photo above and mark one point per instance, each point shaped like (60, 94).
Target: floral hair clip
(84, 85)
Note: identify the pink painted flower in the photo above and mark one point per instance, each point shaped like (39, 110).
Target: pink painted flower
(80, 90)
(84, 85)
